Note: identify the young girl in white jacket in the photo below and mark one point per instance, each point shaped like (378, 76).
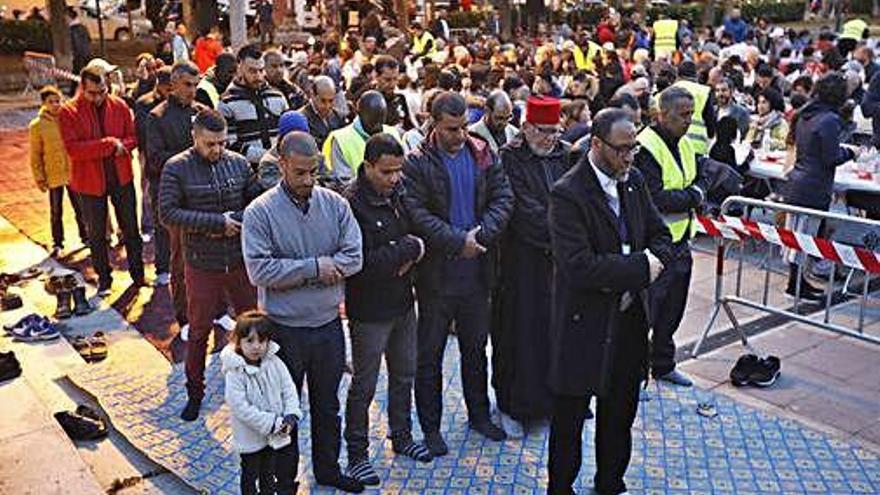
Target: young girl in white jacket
(264, 406)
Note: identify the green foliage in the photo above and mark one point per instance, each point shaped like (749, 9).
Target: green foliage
(20, 36)
(466, 20)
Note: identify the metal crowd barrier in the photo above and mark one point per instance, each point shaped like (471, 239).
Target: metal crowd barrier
(729, 230)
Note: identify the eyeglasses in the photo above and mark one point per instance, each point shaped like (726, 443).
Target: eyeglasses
(623, 149)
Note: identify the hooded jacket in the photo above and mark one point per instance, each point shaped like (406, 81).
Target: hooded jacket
(817, 141)
(48, 158)
(258, 396)
(88, 147)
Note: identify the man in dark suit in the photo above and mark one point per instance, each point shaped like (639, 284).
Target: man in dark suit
(440, 26)
(609, 243)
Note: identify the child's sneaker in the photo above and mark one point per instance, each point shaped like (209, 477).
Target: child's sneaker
(363, 471)
(36, 332)
(27, 320)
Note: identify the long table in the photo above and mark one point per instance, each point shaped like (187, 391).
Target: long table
(771, 165)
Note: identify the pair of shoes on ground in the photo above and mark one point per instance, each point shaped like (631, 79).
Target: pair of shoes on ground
(752, 370)
(83, 424)
(93, 348)
(32, 328)
(343, 483)
(9, 366)
(70, 295)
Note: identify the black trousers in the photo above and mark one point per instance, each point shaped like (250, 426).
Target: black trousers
(56, 215)
(162, 241)
(319, 354)
(94, 210)
(668, 296)
(269, 471)
(471, 315)
(615, 413)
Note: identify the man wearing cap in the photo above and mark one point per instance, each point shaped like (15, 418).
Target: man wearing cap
(459, 200)
(344, 148)
(533, 161)
(269, 171)
(99, 136)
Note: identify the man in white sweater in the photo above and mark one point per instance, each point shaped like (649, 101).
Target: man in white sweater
(300, 242)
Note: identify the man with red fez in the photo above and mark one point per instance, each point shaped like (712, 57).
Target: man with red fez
(533, 161)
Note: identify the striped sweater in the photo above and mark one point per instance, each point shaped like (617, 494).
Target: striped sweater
(252, 117)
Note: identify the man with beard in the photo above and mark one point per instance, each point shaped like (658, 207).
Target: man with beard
(460, 201)
(533, 161)
(727, 106)
(495, 126)
(275, 76)
(387, 74)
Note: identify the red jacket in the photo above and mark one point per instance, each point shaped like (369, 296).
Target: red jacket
(87, 147)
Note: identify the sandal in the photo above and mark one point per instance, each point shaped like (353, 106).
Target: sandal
(99, 347)
(88, 412)
(83, 347)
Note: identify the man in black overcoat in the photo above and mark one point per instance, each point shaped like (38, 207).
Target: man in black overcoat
(609, 243)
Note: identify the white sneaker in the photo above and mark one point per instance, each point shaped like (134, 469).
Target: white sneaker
(226, 322)
(512, 427)
(184, 332)
(162, 279)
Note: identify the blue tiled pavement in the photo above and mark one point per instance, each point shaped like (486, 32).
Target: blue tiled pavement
(675, 451)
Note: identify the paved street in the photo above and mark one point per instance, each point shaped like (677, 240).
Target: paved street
(816, 431)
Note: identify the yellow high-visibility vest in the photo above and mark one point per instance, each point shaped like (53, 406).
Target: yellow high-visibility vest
(674, 178)
(665, 35)
(697, 131)
(853, 29)
(585, 61)
(420, 42)
(352, 145)
(211, 90)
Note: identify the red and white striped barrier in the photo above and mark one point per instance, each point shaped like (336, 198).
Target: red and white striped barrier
(738, 229)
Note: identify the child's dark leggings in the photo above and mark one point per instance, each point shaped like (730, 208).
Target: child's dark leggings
(269, 471)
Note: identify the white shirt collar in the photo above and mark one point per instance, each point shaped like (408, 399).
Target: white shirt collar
(608, 184)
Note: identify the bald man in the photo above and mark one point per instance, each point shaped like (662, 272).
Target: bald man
(321, 112)
(495, 126)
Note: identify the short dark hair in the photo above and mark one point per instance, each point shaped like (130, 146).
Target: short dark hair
(92, 74)
(210, 120)
(687, 69)
(383, 62)
(764, 70)
(448, 80)
(380, 145)
(49, 90)
(251, 51)
(774, 98)
(798, 100)
(184, 68)
(805, 82)
(624, 99)
(831, 89)
(253, 320)
(606, 119)
(448, 103)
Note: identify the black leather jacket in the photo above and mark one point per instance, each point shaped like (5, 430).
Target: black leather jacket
(193, 195)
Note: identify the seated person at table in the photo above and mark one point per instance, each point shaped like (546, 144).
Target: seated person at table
(770, 128)
(726, 132)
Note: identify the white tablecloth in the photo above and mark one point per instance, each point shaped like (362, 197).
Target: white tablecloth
(771, 165)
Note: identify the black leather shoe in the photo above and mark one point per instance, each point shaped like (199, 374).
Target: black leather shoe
(489, 430)
(344, 483)
(191, 411)
(435, 443)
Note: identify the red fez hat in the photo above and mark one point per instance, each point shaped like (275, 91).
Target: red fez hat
(543, 110)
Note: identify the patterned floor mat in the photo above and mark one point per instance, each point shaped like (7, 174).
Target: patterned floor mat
(675, 451)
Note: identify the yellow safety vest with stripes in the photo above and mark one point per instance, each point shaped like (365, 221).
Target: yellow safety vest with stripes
(853, 29)
(352, 145)
(675, 178)
(665, 36)
(697, 131)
